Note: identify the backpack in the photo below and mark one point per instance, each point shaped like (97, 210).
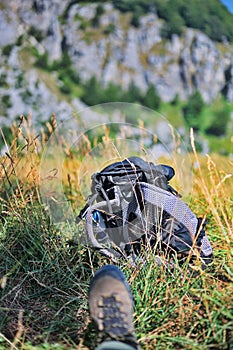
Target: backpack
(132, 206)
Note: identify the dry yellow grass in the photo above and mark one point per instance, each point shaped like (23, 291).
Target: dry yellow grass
(48, 280)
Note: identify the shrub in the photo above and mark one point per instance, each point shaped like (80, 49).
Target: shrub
(219, 121)
(109, 29)
(65, 89)
(95, 93)
(133, 94)
(26, 95)
(99, 12)
(112, 93)
(135, 20)
(6, 50)
(137, 13)
(210, 16)
(173, 25)
(192, 110)
(92, 93)
(64, 63)
(20, 40)
(3, 81)
(151, 98)
(6, 101)
(42, 61)
(176, 100)
(36, 33)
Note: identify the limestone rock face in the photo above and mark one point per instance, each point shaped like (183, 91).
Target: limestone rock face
(176, 67)
(228, 88)
(104, 45)
(202, 66)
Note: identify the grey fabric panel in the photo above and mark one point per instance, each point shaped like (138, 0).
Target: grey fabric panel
(206, 247)
(114, 345)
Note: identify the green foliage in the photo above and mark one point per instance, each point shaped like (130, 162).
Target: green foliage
(135, 20)
(3, 82)
(124, 6)
(26, 95)
(220, 145)
(95, 93)
(175, 101)
(20, 81)
(109, 29)
(192, 111)
(84, 25)
(98, 13)
(210, 120)
(136, 14)
(219, 120)
(174, 25)
(133, 94)
(111, 93)
(6, 131)
(66, 73)
(64, 63)
(20, 40)
(151, 98)
(99, 10)
(42, 61)
(210, 16)
(6, 50)
(6, 101)
(38, 34)
(140, 6)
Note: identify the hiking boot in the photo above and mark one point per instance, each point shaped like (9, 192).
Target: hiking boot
(111, 306)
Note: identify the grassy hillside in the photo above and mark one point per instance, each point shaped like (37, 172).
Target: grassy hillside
(44, 278)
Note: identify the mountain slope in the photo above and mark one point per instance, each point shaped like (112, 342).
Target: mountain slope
(100, 40)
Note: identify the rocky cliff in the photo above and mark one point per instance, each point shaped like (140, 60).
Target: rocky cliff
(103, 44)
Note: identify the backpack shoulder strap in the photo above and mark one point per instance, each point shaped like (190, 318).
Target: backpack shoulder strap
(171, 204)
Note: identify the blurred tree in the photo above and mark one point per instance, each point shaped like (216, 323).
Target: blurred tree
(219, 121)
(176, 100)
(174, 25)
(137, 13)
(133, 94)
(92, 92)
(112, 93)
(98, 13)
(151, 98)
(210, 16)
(192, 110)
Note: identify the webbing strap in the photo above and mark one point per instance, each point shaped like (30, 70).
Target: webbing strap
(89, 227)
(171, 204)
(157, 197)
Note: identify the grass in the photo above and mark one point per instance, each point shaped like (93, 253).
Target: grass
(44, 275)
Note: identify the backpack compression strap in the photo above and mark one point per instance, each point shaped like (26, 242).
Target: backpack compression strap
(89, 227)
(171, 204)
(177, 209)
(159, 198)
